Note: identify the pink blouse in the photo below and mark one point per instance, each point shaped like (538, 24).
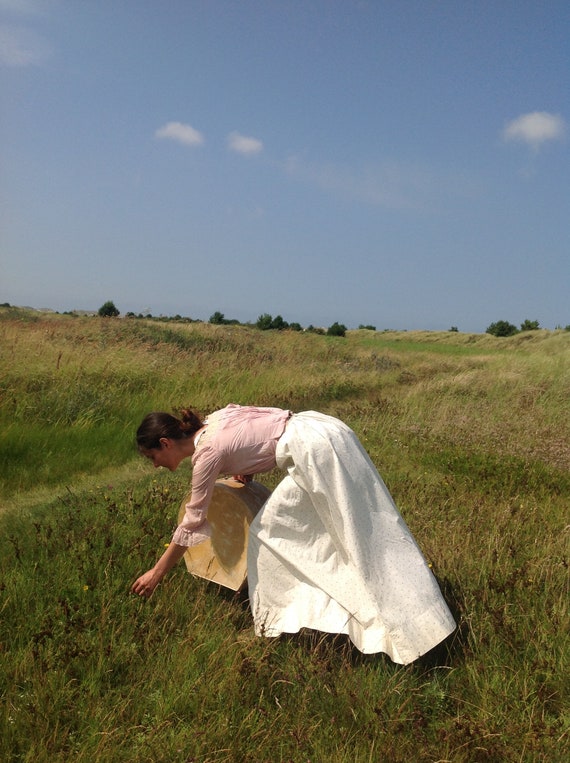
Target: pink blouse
(237, 440)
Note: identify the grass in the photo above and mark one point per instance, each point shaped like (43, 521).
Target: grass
(471, 435)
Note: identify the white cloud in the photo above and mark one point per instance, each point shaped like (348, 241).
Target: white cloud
(181, 133)
(244, 145)
(535, 128)
(21, 47)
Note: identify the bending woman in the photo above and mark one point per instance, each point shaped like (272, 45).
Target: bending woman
(329, 550)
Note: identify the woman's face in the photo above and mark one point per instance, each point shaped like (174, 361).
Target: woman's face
(166, 456)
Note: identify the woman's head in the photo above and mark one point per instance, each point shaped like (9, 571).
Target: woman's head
(158, 426)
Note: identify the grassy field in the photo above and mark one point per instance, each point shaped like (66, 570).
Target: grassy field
(472, 436)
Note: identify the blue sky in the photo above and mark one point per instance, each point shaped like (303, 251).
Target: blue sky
(403, 164)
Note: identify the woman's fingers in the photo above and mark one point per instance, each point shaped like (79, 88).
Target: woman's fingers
(143, 586)
(243, 477)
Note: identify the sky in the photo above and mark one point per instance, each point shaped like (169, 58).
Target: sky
(402, 164)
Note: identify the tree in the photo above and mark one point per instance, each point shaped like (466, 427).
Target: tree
(279, 324)
(502, 328)
(530, 325)
(108, 310)
(217, 318)
(369, 328)
(220, 319)
(337, 329)
(264, 322)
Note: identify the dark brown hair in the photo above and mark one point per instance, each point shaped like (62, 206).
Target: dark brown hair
(156, 425)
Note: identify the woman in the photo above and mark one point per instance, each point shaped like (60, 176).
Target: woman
(328, 550)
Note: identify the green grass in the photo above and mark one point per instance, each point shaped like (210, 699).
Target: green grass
(471, 435)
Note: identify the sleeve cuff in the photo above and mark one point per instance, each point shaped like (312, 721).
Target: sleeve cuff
(189, 538)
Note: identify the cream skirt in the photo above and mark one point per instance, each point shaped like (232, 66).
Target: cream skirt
(330, 551)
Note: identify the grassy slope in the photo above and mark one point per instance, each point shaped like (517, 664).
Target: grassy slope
(471, 435)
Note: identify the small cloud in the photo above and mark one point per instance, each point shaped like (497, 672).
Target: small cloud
(20, 47)
(241, 144)
(181, 133)
(535, 128)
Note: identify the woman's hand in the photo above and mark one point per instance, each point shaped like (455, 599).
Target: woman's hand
(243, 478)
(145, 585)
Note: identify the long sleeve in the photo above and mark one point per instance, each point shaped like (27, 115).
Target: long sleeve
(237, 440)
(194, 527)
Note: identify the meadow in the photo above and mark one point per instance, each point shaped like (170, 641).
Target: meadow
(470, 432)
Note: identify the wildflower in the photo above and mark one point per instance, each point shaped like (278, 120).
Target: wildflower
(85, 587)
(166, 545)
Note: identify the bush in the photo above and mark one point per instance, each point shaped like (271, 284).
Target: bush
(219, 319)
(279, 324)
(337, 329)
(108, 310)
(530, 325)
(502, 328)
(266, 322)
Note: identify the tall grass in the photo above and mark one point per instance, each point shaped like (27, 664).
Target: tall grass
(471, 434)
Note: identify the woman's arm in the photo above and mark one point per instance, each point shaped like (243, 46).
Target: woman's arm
(145, 585)
(206, 469)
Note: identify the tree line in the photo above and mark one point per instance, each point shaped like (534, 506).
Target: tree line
(266, 322)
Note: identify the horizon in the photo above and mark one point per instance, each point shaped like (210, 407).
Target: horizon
(81, 312)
